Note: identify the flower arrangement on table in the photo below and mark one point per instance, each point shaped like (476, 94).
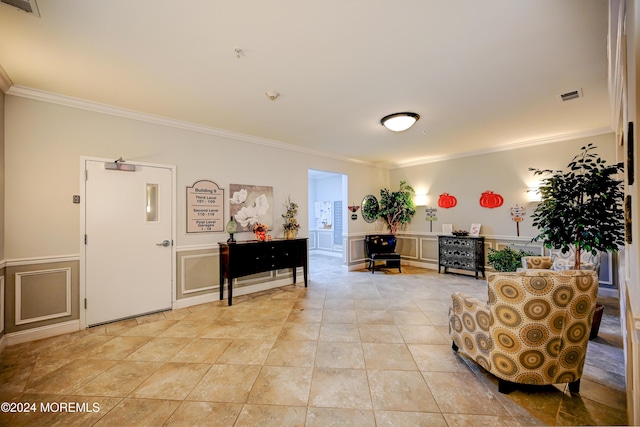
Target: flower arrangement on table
(290, 225)
(260, 231)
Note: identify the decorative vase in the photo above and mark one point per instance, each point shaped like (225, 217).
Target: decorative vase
(231, 228)
(290, 234)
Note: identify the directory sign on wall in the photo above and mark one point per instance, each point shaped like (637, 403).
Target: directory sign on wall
(205, 212)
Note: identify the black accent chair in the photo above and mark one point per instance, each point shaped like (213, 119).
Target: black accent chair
(381, 247)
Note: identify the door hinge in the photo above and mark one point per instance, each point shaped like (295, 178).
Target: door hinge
(85, 303)
(86, 175)
(85, 239)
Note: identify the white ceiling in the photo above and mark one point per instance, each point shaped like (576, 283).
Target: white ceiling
(481, 74)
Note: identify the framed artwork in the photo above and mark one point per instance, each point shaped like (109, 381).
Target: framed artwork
(250, 205)
(447, 229)
(474, 231)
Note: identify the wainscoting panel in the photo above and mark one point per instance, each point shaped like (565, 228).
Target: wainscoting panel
(526, 246)
(325, 240)
(42, 295)
(198, 276)
(253, 279)
(356, 250)
(407, 247)
(429, 249)
(199, 273)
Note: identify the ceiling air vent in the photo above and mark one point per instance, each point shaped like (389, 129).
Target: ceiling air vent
(568, 96)
(28, 6)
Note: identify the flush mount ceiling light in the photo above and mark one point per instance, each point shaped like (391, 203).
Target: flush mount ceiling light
(399, 122)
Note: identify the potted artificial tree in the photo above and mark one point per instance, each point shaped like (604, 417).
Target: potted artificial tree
(396, 207)
(581, 206)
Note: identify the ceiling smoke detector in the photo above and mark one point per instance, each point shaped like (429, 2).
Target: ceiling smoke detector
(272, 94)
(568, 96)
(28, 6)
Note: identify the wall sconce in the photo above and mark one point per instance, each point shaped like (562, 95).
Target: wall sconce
(534, 194)
(420, 200)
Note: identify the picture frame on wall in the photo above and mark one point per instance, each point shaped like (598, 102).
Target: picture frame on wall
(250, 205)
(447, 229)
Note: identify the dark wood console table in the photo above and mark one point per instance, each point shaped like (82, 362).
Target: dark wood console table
(461, 252)
(251, 257)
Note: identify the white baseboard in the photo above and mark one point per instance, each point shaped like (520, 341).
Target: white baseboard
(421, 264)
(611, 293)
(41, 332)
(191, 301)
(237, 291)
(358, 266)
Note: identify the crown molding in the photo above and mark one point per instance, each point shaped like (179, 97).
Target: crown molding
(82, 104)
(5, 81)
(506, 147)
(68, 101)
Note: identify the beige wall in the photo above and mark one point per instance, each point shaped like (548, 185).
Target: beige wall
(43, 147)
(43, 172)
(505, 173)
(43, 162)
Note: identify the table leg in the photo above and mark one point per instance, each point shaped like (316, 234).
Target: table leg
(304, 271)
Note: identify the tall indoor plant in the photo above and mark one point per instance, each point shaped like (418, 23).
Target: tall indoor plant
(396, 207)
(581, 206)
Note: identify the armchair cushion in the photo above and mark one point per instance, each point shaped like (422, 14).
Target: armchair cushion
(558, 261)
(534, 328)
(537, 262)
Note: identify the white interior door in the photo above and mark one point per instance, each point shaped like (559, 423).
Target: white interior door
(128, 216)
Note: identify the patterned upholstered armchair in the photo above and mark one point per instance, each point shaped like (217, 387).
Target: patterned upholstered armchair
(534, 329)
(560, 262)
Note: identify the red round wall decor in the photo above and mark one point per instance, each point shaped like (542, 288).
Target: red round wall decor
(491, 200)
(447, 201)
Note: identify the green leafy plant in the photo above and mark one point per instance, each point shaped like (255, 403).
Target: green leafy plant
(506, 259)
(581, 206)
(396, 207)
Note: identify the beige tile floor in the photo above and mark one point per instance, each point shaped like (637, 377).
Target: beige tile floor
(352, 349)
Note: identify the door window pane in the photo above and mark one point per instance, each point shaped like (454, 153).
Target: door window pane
(152, 202)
